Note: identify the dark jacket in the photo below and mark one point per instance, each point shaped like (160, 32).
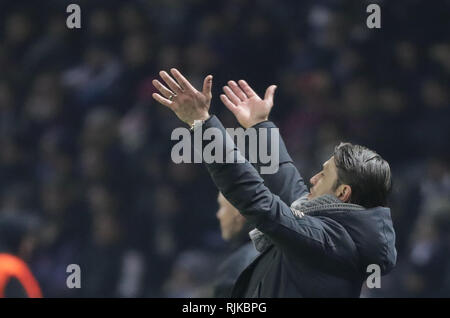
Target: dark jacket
(231, 268)
(322, 254)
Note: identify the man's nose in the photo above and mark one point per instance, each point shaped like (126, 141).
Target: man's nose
(313, 180)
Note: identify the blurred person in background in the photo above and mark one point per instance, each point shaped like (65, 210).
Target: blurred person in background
(234, 228)
(190, 274)
(104, 256)
(16, 245)
(429, 275)
(425, 271)
(62, 236)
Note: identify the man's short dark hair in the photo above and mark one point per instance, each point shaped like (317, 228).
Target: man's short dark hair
(365, 172)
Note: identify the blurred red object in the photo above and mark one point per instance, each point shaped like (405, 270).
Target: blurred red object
(13, 267)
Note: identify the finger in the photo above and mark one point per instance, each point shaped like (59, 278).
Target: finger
(270, 92)
(247, 89)
(237, 90)
(207, 86)
(233, 108)
(170, 82)
(162, 89)
(184, 83)
(162, 100)
(231, 96)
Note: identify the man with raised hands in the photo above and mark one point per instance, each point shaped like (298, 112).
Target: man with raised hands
(322, 242)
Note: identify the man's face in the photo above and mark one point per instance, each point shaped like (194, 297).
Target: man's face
(231, 221)
(324, 182)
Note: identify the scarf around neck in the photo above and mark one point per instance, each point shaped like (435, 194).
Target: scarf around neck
(299, 208)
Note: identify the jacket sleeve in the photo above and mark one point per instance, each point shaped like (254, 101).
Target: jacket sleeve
(242, 185)
(286, 182)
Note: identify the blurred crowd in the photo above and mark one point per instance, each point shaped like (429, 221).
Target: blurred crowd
(85, 151)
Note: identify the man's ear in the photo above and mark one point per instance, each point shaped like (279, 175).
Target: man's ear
(344, 193)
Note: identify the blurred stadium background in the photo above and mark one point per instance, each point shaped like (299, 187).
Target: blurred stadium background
(85, 151)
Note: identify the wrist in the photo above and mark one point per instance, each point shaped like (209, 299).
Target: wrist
(256, 122)
(201, 121)
(204, 117)
(200, 118)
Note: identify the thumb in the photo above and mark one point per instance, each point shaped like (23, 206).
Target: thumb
(270, 92)
(207, 85)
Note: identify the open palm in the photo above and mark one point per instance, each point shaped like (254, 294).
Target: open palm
(248, 108)
(180, 96)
